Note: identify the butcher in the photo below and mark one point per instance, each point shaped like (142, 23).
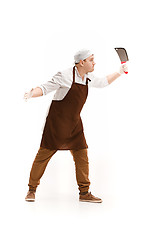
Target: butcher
(63, 129)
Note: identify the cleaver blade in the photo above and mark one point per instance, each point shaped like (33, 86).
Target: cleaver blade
(122, 53)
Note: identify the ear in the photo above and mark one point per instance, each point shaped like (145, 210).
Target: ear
(81, 63)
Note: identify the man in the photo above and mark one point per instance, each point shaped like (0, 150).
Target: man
(63, 129)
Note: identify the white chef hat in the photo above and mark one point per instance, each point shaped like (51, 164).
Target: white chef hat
(82, 55)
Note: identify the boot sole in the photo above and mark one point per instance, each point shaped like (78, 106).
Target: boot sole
(30, 200)
(96, 201)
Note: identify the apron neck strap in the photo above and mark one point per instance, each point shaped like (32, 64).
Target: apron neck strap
(87, 79)
(74, 74)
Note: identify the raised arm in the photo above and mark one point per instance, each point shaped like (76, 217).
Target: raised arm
(104, 81)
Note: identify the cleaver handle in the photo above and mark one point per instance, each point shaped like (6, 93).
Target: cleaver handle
(122, 63)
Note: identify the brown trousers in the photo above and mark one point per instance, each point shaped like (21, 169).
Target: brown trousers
(42, 158)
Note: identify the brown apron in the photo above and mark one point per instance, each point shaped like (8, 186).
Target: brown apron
(63, 128)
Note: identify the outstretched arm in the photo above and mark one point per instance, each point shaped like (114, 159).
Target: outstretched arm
(45, 88)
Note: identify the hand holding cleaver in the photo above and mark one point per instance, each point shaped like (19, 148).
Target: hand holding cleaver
(122, 53)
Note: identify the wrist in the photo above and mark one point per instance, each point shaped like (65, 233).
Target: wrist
(31, 93)
(119, 73)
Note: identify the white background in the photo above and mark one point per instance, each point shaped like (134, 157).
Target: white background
(121, 121)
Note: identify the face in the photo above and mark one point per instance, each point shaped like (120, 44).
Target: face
(88, 64)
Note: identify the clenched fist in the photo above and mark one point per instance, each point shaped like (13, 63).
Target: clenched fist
(123, 68)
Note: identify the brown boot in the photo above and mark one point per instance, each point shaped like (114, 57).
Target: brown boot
(30, 196)
(88, 197)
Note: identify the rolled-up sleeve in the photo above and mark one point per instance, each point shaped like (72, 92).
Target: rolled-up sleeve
(52, 85)
(97, 82)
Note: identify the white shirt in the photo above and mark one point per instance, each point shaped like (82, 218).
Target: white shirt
(62, 81)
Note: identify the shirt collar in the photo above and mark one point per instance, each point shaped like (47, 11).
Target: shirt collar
(79, 75)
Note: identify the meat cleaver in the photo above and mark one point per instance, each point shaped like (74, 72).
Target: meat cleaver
(122, 53)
